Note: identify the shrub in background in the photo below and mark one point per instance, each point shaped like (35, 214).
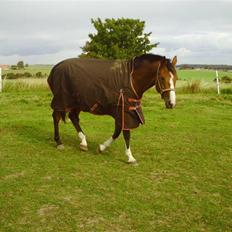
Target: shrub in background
(192, 87)
(14, 67)
(39, 74)
(226, 79)
(10, 76)
(27, 74)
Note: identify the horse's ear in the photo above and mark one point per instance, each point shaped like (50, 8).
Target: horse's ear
(174, 61)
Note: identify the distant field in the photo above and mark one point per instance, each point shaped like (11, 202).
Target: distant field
(206, 75)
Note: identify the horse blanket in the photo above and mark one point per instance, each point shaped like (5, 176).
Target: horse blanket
(102, 87)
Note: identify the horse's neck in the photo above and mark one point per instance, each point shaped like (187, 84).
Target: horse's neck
(143, 82)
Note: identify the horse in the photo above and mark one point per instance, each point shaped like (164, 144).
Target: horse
(106, 87)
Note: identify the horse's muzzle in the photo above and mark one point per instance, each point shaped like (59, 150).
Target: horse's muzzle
(169, 105)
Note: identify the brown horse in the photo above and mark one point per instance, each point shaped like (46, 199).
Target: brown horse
(112, 88)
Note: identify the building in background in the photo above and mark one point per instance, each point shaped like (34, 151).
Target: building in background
(4, 66)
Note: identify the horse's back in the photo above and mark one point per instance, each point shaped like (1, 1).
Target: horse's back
(84, 82)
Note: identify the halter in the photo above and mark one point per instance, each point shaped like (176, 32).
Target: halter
(162, 91)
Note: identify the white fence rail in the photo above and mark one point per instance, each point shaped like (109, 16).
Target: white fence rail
(218, 82)
(1, 80)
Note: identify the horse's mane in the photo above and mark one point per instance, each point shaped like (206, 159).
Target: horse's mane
(137, 61)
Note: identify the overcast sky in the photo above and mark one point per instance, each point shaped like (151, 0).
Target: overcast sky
(49, 31)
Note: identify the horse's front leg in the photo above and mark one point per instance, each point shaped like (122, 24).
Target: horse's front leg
(102, 147)
(126, 135)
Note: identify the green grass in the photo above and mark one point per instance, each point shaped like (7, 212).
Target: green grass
(182, 182)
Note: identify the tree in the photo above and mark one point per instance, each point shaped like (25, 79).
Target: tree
(20, 65)
(117, 39)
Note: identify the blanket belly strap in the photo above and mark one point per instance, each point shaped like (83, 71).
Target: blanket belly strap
(121, 97)
(135, 107)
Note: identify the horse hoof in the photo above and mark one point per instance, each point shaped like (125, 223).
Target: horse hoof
(132, 162)
(83, 148)
(100, 148)
(60, 147)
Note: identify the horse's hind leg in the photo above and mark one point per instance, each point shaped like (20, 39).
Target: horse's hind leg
(56, 118)
(74, 117)
(102, 147)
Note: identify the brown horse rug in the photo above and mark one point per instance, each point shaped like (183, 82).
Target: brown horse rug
(96, 86)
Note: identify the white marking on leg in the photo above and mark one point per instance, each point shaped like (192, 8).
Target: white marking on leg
(83, 139)
(131, 158)
(106, 144)
(172, 94)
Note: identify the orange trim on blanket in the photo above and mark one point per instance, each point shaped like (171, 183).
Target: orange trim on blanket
(123, 118)
(94, 107)
(132, 86)
(141, 119)
(134, 100)
(134, 107)
(119, 98)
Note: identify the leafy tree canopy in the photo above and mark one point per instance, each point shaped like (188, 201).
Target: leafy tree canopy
(20, 64)
(117, 39)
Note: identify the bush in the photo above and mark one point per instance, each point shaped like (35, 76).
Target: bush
(14, 67)
(192, 87)
(11, 76)
(226, 91)
(19, 75)
(39, 74)
(27, 74)
(226, 79)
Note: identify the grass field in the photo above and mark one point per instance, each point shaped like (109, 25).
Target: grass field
(182, 182)
(202, 74)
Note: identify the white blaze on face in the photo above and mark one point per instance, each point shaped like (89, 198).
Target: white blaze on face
(172, 94)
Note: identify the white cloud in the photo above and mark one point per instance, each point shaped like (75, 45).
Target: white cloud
(46, 58)
(197, 31)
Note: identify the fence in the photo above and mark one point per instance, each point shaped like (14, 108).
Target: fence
(217, 82)
(1, 80)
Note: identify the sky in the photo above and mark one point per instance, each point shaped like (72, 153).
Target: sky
(46, 32)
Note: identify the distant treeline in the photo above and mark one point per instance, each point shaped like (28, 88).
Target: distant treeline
(23, 75)
(205, 66)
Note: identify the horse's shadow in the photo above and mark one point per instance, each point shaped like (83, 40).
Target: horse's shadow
(43, 136)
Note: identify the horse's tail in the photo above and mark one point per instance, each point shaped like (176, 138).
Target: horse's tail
(50, 80)
(51, 76)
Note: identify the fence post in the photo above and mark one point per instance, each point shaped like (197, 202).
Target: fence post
(0, 79)
(218, 83)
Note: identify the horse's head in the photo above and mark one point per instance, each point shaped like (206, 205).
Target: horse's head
(166, 81)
